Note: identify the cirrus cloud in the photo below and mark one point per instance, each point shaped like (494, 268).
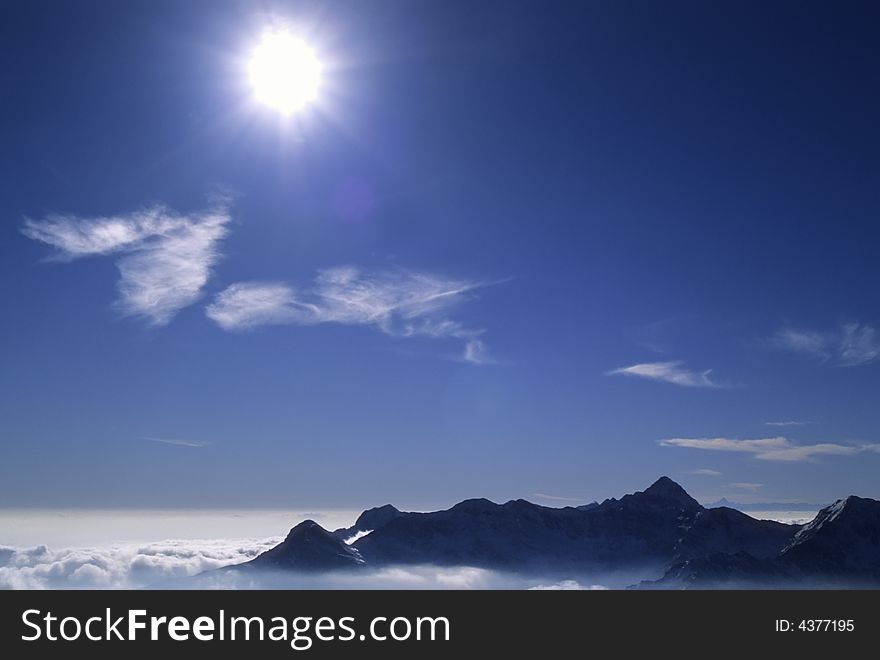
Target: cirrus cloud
(673, 372)
(849, 345)
(399, 303)
(166, 258)
(706, 472)
(771, 449)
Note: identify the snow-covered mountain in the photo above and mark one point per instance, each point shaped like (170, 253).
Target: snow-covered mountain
(839, 548)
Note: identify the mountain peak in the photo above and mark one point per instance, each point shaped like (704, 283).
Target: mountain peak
(843, 513)
(666, 488)
(475, 505)
(841, 540)
(308, 546)
(304, 526)
(376, 517)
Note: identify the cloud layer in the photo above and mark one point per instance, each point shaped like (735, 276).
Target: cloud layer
(165, 258)
(668, 372)
(850, 345)
(172, 564)
(123, 566)
(747, 485)
(400, 303)
(771, 449)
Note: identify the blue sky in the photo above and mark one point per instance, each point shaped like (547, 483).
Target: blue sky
(513, 250)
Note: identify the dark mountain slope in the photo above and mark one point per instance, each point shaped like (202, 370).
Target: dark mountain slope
(309, 547)
(839, 548)
(650, 530)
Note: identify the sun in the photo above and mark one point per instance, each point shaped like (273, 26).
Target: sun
(285, 72)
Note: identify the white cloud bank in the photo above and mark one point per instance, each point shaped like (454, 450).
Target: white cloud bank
(122, 566)
(849, 345)
(400, 303)
(568, 585)
(771, 449)
(668, 372)
(166, 258)
(168, 564)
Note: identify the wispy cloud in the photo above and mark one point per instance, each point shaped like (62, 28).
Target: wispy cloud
(706, 472)
(771, 449)
(165, 258)
(179, 443)
(849, 345)
(668, 372)
(475, 352)
(807, 342)
(859, 344)
(557, 498)
(248, 305)
(399, 303)
(747, 485)
(787, 423)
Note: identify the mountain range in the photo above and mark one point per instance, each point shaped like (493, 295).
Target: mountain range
(660, 535)
(839, 548)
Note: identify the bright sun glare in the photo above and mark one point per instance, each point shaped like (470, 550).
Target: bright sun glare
(285, 72)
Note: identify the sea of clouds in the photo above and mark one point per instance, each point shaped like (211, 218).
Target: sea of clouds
(121, 566)
(175, 563)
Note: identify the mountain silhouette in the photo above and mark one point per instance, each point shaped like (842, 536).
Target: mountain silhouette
(649, 530)
(840, 547)
(368, 521)
(309, 547)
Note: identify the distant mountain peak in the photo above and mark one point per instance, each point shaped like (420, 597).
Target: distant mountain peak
(376, 517)
(519, 504)
(308, 546)
(304, 527)
(666, 488)
(475, 505)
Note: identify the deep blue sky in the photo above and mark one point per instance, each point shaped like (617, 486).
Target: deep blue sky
(661, 187)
